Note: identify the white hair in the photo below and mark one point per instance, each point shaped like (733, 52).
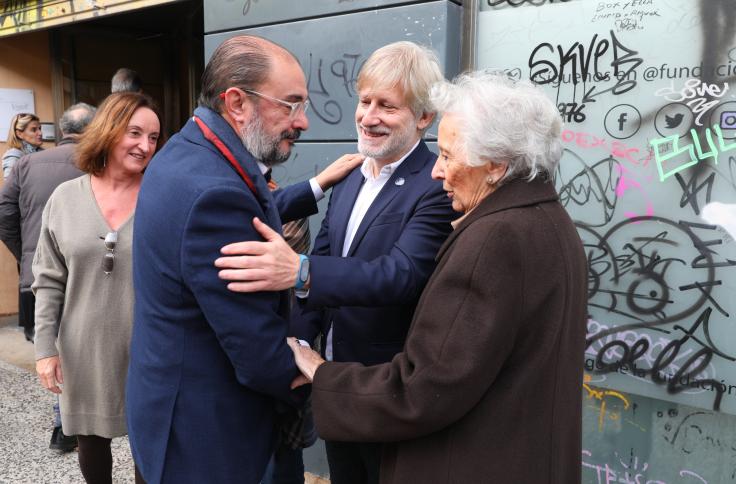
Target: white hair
(503, 121)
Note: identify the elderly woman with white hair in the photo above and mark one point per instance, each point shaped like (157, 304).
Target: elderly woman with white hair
(487, 388)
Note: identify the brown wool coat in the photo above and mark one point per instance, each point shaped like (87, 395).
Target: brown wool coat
(487, 389)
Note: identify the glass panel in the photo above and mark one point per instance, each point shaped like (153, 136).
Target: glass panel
(649, 176)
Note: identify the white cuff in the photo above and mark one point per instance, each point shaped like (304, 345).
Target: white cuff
(316, 190)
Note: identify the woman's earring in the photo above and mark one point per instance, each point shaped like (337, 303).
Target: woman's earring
(104, 162)
(490, 180)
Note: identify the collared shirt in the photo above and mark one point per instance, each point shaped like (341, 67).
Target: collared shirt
(263, 167)
(368, 193)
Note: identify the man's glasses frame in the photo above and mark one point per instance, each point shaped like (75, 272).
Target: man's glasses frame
(294, 107)
(108, 260)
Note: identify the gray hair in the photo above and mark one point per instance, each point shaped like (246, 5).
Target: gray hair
(243, 61)
(76, 118)
(126, 80)
(411, 67)
(504, 121)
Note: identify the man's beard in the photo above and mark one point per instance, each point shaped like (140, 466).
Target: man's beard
(394, 145)
(264, 146)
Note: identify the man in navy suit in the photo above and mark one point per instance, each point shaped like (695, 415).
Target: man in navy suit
(208, 366)
(376, 248)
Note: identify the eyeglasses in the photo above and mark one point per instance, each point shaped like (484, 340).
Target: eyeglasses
(294, 107)
(108, 260)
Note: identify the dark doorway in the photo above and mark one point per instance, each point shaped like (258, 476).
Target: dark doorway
(164, 44)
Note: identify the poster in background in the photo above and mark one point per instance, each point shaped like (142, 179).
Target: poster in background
(12, 102)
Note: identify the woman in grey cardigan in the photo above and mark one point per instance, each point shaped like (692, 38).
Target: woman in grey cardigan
(83, 281)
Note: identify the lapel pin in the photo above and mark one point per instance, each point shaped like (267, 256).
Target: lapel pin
(399, 181)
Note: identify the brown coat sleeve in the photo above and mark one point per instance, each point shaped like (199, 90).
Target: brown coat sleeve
(462, 333)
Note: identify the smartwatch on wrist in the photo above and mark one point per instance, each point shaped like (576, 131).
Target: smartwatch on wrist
(302, 273)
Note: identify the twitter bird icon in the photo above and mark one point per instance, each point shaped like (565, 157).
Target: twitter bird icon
(673, 121)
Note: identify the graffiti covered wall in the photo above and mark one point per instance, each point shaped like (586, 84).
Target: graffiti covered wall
(647, 90)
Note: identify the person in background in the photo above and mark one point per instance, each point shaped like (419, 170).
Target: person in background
(22, 199)
(487, 388)
(377, 244)
(24, 195)
(24, 137)
(126, 80)
(83, 278)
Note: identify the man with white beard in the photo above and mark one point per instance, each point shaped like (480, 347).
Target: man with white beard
(376, 248)
(208, 366)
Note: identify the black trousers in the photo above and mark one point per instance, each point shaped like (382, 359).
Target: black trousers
(353, 463)
(26, 309)
(95, 460)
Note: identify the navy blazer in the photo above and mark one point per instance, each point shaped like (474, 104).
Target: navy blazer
(207, 365)
(369, 296)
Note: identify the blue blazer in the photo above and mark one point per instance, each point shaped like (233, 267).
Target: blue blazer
(369, 296)
(207, 365)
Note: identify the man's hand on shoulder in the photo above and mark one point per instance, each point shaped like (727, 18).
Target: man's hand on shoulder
(259, 266)
(338, 170)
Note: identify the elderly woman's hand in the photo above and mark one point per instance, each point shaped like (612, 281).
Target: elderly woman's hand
(49, 372)
(307, 360)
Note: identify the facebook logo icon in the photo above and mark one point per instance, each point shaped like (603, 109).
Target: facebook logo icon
(622, 121)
